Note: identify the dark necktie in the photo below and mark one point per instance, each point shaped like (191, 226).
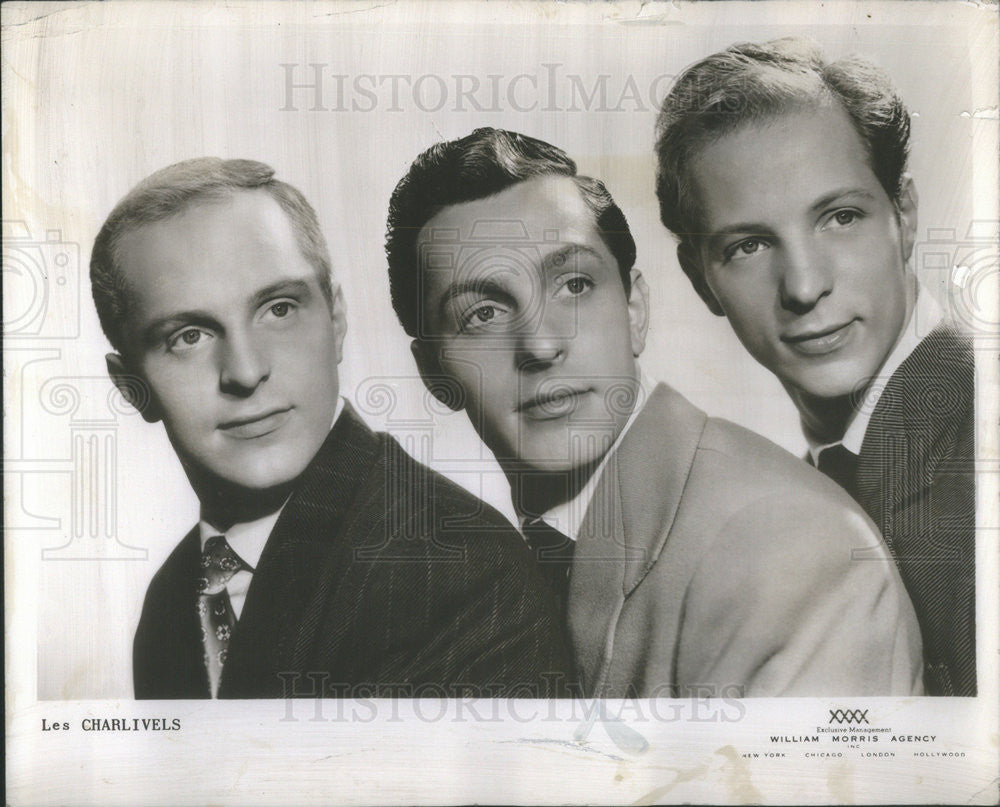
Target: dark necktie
(218, 564)
(841, 466)
(553, 552)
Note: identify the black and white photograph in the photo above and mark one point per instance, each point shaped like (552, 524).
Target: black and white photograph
(488, 402)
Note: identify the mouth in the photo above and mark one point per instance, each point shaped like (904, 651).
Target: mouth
(555, 403)
(259, 424)
(819, 341)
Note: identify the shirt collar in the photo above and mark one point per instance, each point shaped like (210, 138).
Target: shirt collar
(924, 318)
(567, 517)
(249, 537)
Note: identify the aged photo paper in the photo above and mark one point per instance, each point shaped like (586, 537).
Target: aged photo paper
(339, 98)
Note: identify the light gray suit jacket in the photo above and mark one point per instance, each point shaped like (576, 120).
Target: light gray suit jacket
(712, 562)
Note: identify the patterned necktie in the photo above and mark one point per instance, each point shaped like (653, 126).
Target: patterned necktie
(841, 466)
(218, 564)
(554, 553)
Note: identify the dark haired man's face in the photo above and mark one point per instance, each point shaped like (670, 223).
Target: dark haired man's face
(524, 308)
(235, 339)
(802, 250)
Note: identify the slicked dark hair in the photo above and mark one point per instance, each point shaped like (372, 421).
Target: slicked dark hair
(748, 83)
(169, 192)
(474, 167)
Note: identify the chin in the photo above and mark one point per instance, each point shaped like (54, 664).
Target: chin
(832, 386)
(266, 473)
(558, 463)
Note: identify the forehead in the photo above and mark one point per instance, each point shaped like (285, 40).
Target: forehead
(537, 216)
(788, 160)
(540, 210)
(211, 250)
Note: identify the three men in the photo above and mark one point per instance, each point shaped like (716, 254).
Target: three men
(685, 554)
(326, 560)
(694, 556)
(783, 177)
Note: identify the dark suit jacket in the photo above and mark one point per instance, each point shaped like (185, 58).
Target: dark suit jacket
(380, 578)
(712, 562)
(916, 479)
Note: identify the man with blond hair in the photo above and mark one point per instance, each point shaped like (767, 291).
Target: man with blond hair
(783, 176)
(326, 561)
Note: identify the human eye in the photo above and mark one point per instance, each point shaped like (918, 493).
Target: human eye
(187, 339)
(574, 285)
(844, 217)
(278, 309)
(483, 314)
(744, 248)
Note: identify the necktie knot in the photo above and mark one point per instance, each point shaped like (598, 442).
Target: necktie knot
(218, 564)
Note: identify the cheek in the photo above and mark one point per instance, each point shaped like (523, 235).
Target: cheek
(468, 373)
(182, 392)
(605, 323)
(747, 303)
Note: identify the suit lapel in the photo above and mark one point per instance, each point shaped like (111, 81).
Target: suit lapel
(628, 521)
(168, 654)
(654, 463)
(187, 627)
(304, 540)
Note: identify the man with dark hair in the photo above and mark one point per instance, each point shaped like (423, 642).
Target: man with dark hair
(685, 566)
(327, 562)
(783, 176)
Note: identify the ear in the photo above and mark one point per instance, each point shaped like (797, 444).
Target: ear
(638, 311)
(438, 383)
(133, 387)
(907, 209)
(338, 313)
(690, 261)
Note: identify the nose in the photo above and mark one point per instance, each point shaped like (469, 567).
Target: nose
(244, 366)
(539, 353)
(805, 277)
(543, 344)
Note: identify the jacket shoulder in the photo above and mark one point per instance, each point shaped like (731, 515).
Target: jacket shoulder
(408, 511)
(779, 500)
(418, 486)
(756, 463)
(932, 393)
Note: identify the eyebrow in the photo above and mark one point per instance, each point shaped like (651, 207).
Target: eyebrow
(562, 254)
(491, 288)
(754, 227)
(162, 325)
(823, 201)
(281, 288)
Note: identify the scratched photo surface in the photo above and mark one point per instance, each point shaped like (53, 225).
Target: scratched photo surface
(339, 99)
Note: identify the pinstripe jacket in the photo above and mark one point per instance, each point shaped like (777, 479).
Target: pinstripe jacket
(916, 479)
(381, 578)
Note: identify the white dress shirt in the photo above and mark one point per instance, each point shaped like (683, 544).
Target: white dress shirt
(247, 540)
(567, 517)
(924, 318)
